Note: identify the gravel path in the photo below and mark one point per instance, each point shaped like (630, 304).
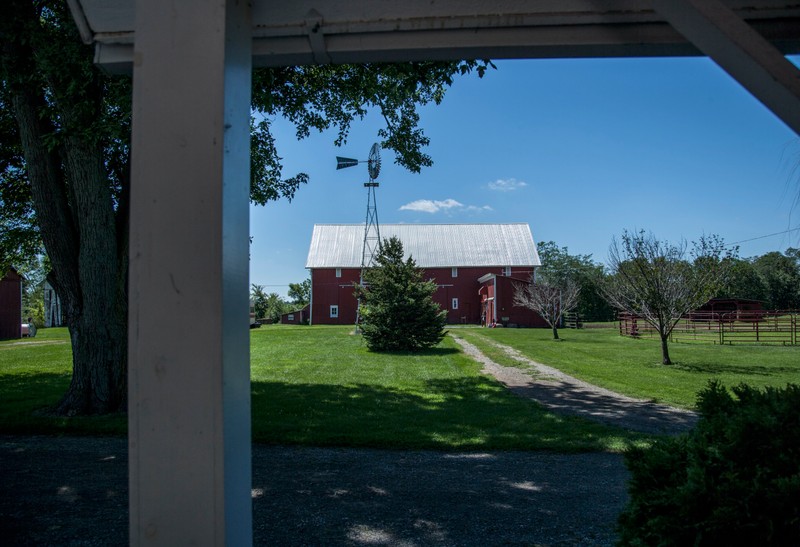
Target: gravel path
(563, 393)
(70, 491)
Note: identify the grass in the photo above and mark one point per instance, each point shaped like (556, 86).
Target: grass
(633, 366)
(34, 374)
(320, 386)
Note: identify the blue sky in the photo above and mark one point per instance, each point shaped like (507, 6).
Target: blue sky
(578, 149)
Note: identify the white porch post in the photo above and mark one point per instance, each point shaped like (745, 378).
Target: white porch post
(189, 375)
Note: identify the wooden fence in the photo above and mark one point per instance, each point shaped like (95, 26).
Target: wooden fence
(780, 327)
(571, 320)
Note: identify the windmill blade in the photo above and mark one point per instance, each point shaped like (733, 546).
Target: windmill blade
(374, 162)
(341, 162)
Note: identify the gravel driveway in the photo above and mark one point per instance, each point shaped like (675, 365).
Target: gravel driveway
(70, 491)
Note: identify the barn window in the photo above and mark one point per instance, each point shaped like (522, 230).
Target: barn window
(291, 317)
(454, 304)
(338, 272)
(453, 272)
(507, 271)
(334, 312)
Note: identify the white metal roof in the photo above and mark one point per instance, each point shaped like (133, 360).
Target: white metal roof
(431, 245)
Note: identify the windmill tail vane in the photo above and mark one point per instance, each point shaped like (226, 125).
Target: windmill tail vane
(373, 163)
(342, 163)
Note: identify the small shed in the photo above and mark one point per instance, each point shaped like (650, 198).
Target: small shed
(729, 308)
(297, 317)
(11, 305)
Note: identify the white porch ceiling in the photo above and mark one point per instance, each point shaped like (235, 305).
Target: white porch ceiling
(748, 38)
(345, 31)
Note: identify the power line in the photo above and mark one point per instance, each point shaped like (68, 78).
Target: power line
(768, 235)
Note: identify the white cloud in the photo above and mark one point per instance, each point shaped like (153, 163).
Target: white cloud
(476, 209)
(507, 185)
(430, 206)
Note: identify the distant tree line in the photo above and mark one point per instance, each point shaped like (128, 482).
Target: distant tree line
(559, 268)
(271, 306)
(772, 278)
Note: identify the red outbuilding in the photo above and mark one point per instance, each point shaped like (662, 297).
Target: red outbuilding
(475, 267)
(11, 305)
(297, 317)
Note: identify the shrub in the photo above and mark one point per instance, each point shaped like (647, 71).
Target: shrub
(733, 480)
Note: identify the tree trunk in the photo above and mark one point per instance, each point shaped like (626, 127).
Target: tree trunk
(555, 331)
(664, 351)
(99, 354)
(84, 233)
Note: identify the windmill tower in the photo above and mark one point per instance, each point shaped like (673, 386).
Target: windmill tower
(372, 232)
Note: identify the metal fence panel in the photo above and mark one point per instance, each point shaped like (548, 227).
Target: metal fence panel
(772, 327)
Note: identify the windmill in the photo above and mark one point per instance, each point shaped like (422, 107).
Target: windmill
(372, 232)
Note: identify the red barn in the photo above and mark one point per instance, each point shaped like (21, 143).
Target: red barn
(11, 305)
(475, 267)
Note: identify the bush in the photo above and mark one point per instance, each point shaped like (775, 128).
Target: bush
(733, 480)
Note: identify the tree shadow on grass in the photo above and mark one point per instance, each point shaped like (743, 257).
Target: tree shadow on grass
(429, 352)
(465, 413)
(441, 414)
(28, 400)
(739, 370)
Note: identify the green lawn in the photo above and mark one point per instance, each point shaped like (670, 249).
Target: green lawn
(34, 374)
(320, 386)
(631, 366)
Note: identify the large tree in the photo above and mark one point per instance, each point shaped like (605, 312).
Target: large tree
(397, 310)
(659, 281)
(300, 293)
(65, 181)
(780, 275)
(65, 172)
(744, 281)
(268, 306)
(773, 278)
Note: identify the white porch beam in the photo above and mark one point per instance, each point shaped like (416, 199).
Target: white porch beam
(741, 51)
(189, 373)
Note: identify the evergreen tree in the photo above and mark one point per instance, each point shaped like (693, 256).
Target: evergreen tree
(397, 307)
